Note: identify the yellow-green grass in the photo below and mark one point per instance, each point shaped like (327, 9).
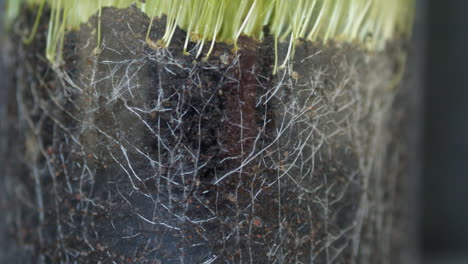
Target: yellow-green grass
(370, 23)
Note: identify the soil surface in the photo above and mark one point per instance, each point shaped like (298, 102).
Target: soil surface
(146, 155)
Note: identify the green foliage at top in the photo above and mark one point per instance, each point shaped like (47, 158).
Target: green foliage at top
(368, 22)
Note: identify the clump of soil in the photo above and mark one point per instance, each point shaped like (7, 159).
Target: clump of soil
(142, 155)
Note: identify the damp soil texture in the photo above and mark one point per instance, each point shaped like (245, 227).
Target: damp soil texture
(141, 154)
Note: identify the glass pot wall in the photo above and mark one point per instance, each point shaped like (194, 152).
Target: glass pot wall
(137, 152)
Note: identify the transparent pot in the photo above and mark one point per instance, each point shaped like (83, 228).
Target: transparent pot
(266, 150)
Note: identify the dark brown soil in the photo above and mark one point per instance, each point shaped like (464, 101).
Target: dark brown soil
(142, 155)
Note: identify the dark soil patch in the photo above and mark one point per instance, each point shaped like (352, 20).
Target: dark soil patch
(148, 155)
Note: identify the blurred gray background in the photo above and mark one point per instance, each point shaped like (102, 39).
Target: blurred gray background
(444, 218)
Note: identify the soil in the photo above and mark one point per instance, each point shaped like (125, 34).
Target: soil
(146, 155)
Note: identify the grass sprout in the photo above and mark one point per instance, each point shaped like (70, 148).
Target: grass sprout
(371, 23)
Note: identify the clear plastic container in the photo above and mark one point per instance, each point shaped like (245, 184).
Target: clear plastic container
(134, 151)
